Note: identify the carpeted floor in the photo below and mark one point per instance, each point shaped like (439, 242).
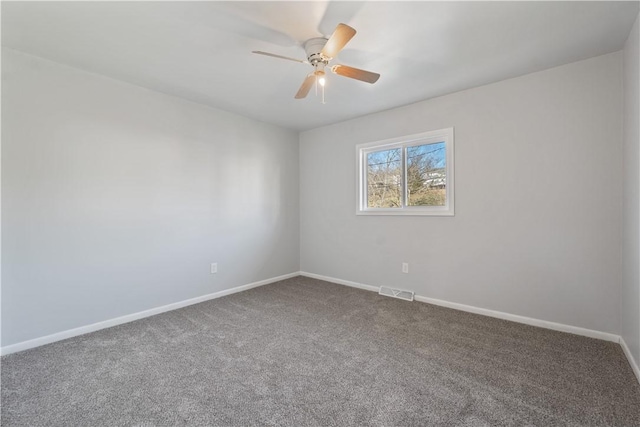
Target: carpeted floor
(303, 352)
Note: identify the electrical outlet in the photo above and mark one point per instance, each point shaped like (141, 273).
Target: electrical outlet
(214, 267)
(405, 267)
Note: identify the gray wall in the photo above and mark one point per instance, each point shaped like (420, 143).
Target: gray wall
(537, 229)
(630, 330)
(116, 199)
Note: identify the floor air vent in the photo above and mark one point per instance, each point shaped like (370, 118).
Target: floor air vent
(396, 293)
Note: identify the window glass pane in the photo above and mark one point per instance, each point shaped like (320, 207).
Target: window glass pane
(384, 179)
(426, 175)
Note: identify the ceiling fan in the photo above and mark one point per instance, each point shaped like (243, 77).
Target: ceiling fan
(320, 51)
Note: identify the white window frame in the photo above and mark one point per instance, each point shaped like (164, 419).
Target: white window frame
(431, 137)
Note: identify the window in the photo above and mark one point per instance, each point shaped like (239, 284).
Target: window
(412, 175)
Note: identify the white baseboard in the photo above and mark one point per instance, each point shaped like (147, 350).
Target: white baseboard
(576, 330)
(632, 361)
(340, 281)
(483, 311)
(58, 336)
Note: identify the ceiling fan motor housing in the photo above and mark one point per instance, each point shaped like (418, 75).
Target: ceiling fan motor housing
(313, 48)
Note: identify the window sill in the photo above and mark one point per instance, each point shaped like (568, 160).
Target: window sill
(406, 212)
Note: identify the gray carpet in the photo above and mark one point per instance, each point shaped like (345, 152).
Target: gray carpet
(303, 352)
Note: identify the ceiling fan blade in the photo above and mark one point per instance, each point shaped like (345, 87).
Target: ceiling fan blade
(355, 73)
(340, 37)
(306, 86)
(259, 52)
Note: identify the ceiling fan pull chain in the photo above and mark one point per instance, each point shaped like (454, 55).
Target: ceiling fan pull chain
(315, 73)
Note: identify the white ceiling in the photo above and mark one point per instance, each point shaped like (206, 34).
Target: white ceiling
(201, 51)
